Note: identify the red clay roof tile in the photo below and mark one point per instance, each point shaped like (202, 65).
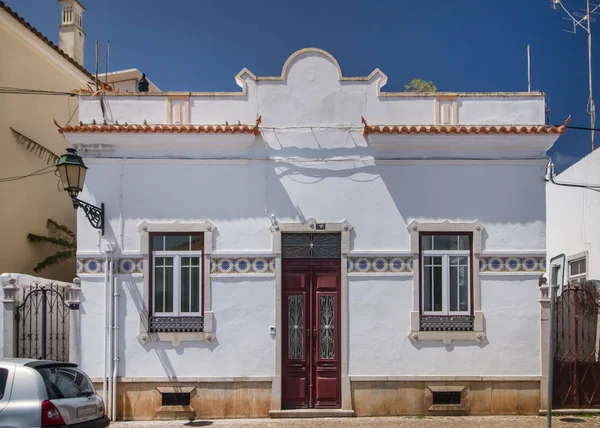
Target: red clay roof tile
(458, 129)
(181, 129)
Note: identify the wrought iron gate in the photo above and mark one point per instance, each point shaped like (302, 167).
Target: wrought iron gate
(43, 323)
(576, 362)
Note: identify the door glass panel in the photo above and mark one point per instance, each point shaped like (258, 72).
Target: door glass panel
(326, 327)
(295, 327)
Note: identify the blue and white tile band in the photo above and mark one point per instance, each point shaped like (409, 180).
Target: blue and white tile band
(390, 265)
(125, 266)
(512, 264)
(242, 265)
(356, 265)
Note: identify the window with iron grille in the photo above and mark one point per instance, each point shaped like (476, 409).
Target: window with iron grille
(446, 262)
(577, 270)
(177, 282)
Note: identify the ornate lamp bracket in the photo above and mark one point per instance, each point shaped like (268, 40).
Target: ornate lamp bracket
(94, 214)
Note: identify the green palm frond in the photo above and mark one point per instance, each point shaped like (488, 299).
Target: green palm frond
(63, 238)
(55, 227)
(54, 259)
(53, 241)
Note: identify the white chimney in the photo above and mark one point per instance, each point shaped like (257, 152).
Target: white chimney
(70, 32)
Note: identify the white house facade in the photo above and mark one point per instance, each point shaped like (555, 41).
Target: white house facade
(573, 228)
(314, 245)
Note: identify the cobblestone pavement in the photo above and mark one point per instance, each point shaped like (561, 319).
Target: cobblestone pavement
(388, 422)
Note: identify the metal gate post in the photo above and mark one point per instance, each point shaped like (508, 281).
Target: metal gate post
(74, 320)
(545, 321)
(576, 347)
(44, 315)
(9, 330)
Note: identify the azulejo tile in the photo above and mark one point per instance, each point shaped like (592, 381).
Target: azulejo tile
(378, 264)
(90, 266)
(242, 265)
(513, 264)
(130, 265)
(96, 265)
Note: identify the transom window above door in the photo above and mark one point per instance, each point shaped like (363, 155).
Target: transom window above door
(311, 245)
(446, 276)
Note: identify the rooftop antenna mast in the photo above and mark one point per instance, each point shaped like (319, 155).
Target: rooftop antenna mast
(583, 21)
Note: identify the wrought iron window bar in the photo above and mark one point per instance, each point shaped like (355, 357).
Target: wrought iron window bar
(176, 324)
(447, 323)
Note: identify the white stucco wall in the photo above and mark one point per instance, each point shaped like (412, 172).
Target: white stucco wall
(312, 160)
(574, 213)
(379, 318)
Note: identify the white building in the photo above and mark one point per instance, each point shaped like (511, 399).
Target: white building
(270, 251)
(573, 226)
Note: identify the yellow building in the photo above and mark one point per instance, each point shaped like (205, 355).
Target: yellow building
(29, 140)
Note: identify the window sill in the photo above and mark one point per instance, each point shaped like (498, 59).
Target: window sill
(446, 337)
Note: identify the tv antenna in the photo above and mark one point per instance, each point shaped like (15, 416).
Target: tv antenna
(583, 21)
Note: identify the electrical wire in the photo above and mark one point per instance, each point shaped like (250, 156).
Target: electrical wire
(42, 171)
(27, 91)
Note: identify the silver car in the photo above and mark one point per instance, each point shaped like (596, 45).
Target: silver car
(38, 393)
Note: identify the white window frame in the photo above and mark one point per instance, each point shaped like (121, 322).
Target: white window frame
(446, 254)
(446, 337)
(577, 258)
(207, 228)
(177, 255)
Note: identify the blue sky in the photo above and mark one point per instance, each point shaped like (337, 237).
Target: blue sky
(461, 45)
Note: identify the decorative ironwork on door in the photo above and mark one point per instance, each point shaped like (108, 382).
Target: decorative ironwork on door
(42, 323)
(576, 358)
(311, 245)
(295, 327)
(326, 327)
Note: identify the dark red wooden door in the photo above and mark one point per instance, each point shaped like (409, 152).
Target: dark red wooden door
(311, 333)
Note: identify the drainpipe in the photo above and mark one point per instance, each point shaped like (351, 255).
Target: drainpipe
(106, 334)
(110, 332)
(115, 346)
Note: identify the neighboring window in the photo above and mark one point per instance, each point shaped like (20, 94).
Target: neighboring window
(66, 382)
(3, 378)
(177, 286)
(577, 270)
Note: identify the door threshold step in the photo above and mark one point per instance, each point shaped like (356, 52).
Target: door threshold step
(561, 412)
(311, 413)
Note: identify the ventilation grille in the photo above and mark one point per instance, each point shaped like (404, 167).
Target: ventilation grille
(175, 398)
(445, 397)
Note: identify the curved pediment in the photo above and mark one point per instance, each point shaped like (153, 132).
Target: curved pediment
(311, 63)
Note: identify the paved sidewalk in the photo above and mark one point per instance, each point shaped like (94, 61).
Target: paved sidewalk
(389, 422)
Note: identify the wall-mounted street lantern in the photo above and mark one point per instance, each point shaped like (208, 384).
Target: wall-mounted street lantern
(72, 171)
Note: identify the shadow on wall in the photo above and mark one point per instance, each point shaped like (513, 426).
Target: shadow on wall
(134, 294)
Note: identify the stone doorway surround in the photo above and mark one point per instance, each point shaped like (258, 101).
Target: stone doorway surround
(311, 226)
